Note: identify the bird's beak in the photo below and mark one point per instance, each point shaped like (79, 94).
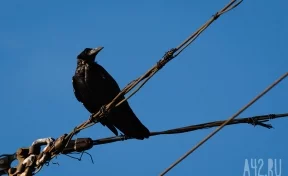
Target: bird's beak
(96, 50)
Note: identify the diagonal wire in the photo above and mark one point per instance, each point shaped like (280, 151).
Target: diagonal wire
(225, 123)
(195, 35)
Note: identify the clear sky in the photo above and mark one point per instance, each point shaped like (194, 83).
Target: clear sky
(230, 63)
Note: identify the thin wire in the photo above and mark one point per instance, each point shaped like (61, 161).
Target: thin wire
(225, 123)
(195, 35)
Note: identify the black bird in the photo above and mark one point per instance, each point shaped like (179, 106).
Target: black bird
(95, 87)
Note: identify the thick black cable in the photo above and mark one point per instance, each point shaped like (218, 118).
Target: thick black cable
(255, 120)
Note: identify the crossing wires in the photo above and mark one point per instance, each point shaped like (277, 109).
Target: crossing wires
(140, 82)
(225, 123)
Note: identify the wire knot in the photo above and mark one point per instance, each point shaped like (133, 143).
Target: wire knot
(216, 16)
(252, 121)
(103, 112)
(271, 116)
(167, 56)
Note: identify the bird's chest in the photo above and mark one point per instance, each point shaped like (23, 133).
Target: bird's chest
(95, 74)
(102, 76)
(80, 70)
(90, 72)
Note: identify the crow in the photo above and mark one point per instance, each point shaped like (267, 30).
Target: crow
(94, 87)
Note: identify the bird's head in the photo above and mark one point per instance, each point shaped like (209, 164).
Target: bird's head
(89, 54)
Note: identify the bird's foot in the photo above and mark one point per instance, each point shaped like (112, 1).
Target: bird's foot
(103, 111)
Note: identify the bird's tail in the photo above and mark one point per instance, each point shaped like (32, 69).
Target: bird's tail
(110, 126)
(127, 122)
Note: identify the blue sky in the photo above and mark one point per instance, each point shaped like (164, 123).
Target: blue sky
(229, 64)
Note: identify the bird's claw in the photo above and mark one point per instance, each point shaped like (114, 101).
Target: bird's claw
(103, 111)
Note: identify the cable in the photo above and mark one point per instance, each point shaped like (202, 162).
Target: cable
(257, 120)
(254, 120)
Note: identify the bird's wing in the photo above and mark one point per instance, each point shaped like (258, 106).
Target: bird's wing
(81, 89)
(111, 127)
(76, 82)
(83, 93)
(123, 116)
(110, 84)
(127, 122)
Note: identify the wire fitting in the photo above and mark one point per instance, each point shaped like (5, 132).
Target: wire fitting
(167, 56)
(252, 121)
(216, 16)
(271, 116)
(103, 112)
